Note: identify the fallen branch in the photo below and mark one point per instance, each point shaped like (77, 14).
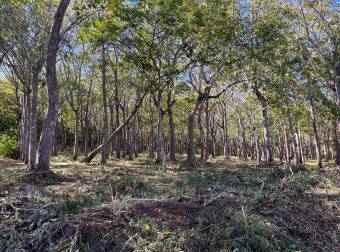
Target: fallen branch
(94, 153)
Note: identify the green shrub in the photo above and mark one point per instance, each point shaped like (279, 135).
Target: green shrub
(9, 147)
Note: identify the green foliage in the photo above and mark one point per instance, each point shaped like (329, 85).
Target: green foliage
(239, 231)
(9, 147)
(7, 109)
(252, 233)
(74, 205)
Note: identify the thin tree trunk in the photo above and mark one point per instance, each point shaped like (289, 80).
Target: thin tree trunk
(298, 151)
(336, 144)
(267, 141)
(172, 136)
(295, 141)
(202, 133)
(105, 148)
(207, 131)
(112, 146)
(241, 139)
(258, 147)
(33, 141)
(225, 132)
(55, 142)
(47, 135)
(300, 146)
(25, 136)
(326, 143)
(336, 126)
(160, 141)
(316, 135)
(191, 159)
(213, 137)
(287, 153)
(76, 134)
(151, 132)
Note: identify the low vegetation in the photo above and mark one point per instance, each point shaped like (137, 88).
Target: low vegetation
(135, 206)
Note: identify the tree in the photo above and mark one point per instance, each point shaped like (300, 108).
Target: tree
(47, 134)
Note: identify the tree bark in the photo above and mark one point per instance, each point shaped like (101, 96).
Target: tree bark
(25, 123)
(316, 135)
(287, 153)
(336, 126)
(151, 153)
(202, 133)
(191, 159)
(336, 144)
(76, 135)
(266, 135)
(33, 141)
(225, 132)
(258, 147)
(105, 149)
(298, 150)
(213, 133)
(241, 139)
(47, 135)
(172, 136)
(160, 141)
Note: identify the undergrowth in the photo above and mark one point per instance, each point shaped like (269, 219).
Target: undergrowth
(217, 207)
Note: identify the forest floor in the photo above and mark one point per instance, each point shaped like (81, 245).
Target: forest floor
(134, 206)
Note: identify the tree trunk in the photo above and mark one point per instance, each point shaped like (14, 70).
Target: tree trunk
(241, 139)
(191, 159)
(160, 141)
(298, 151)
(326, 143)
(300, 146)
(25, 123)
(258, 147)
(76, 134)
(225, 132)
(316, 135)
(105, 148)
(266, 135)
(336, 144)
(151, 148)
(172, 137)
(34, 120)
(336, 126)
(213, 131)
(47, 135)
(119, 136)
(287, 153)
(129, 141)
(207, 131)
(202, 133)
(55, 142)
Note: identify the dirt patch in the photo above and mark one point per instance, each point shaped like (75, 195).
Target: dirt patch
(175, 214)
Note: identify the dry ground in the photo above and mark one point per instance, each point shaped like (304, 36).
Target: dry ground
(134, 206)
